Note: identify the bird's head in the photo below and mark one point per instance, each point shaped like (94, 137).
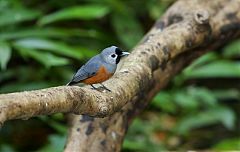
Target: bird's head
(113, 54)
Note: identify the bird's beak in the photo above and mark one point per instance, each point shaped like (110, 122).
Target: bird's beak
(124, 53)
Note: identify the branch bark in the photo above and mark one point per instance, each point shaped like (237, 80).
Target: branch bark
(107, 134)
(186, 31)
(134, 76)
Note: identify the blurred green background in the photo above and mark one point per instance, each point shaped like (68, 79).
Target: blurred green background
(42, 43)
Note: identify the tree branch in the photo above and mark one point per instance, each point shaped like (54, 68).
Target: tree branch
(134, 76)
(107, 134)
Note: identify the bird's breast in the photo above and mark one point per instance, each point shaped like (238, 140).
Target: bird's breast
(101, 75)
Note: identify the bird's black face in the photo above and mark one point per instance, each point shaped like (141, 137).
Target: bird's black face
(112, 55)
(120, 54)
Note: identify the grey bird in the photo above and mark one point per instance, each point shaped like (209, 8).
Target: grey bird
(99, 68)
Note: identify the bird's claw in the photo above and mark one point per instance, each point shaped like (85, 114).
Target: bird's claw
(101, 88)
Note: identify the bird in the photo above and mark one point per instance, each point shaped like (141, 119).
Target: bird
(99, 68)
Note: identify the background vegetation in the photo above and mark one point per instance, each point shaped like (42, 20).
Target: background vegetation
(42, 43)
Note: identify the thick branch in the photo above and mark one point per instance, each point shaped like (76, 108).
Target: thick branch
(107, 134)
(135, 76)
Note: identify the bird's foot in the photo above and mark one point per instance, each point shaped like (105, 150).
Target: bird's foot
(103, 86)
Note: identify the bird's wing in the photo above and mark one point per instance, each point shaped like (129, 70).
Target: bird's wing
(88, 70)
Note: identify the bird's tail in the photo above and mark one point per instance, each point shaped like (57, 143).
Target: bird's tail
(71, 83)
(68, 84)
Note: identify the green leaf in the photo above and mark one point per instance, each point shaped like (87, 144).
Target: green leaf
(128, 29)
(86, 12)
(202, 95)
(138, 138)
(216, 69)
(157, 8)
(134, 145)
(50, 32)
(13, 16)
(228, 144)
(53, 46)
(186, 101)
(20, 86)
(6, 148)
(163, 100)
(227, 94)
(37, 32)
(205, 59)
(56, 144)
(232, 50)
(5, 54)
(59, 127)
(203, 118)
(46, 58)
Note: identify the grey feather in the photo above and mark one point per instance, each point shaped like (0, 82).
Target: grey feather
(88, 70)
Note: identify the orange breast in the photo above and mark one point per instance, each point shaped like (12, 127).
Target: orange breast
(102, 75)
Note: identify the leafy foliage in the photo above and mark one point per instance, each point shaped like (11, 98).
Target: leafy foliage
(86, 12)
(5, 54)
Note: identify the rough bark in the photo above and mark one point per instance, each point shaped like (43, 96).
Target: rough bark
(107, 134)
(188, 29)
(134, 76)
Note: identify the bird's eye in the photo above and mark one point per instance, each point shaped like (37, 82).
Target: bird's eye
(113, 55)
